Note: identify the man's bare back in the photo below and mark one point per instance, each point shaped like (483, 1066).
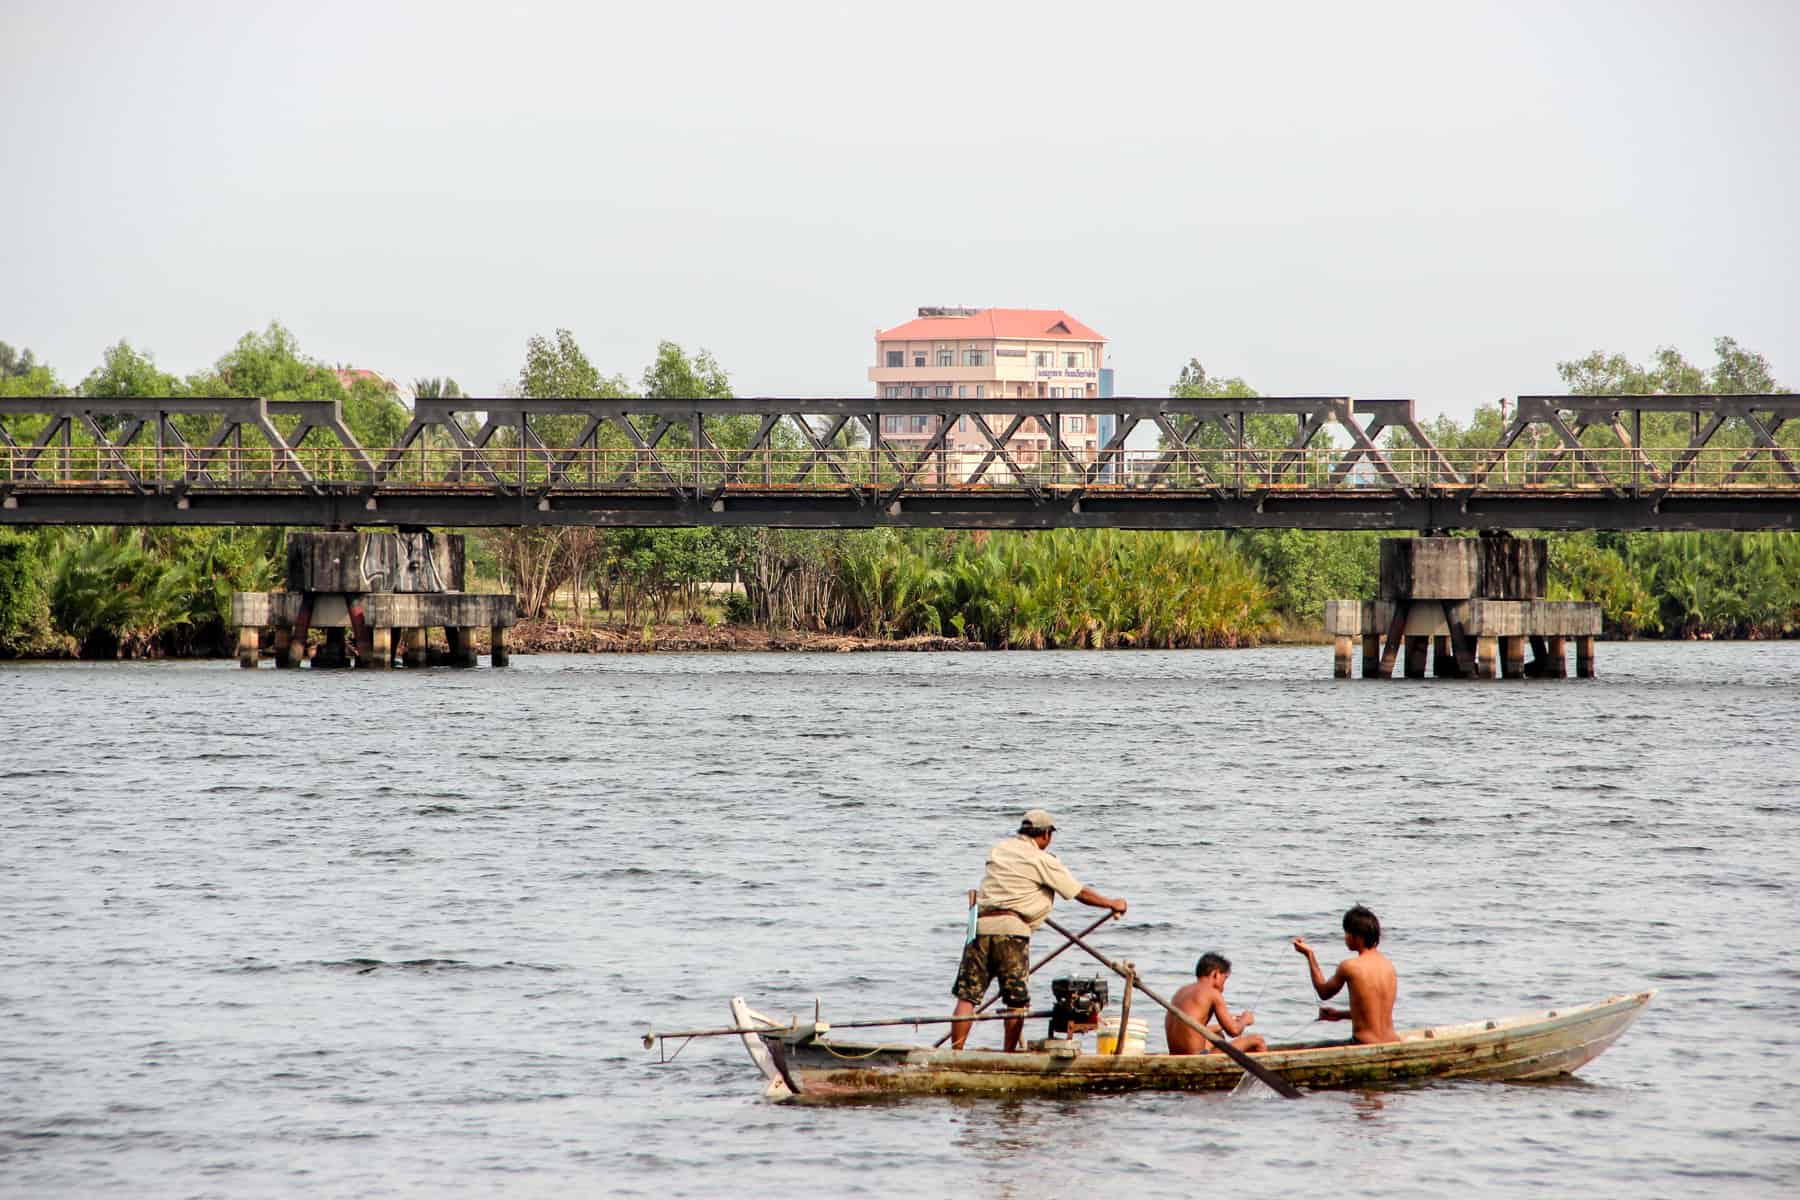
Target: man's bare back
(1369, 975)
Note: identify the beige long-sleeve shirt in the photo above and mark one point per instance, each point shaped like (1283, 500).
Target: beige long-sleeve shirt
(1026, 880)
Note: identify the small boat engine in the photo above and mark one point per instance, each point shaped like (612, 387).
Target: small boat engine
(1079, 999)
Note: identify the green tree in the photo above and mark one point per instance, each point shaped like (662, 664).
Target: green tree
(16, 364)
(437, 389)
(124, 372)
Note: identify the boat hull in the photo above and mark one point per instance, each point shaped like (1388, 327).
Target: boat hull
(1532, 1046)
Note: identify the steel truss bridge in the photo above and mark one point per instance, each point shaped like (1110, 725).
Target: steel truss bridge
(1562, 462)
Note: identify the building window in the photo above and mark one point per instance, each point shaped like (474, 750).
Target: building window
(1043, 358)
(896, 358)
(974, 358)
(962, 391)
(1072, 359)
(943, 391)
(1077, 424)
(981, 391)
(962, 424)
(891, 424)
(893, 391)
(921, 392)
(919, 358)
(919, 423)
(1056, 393)
(946, 358)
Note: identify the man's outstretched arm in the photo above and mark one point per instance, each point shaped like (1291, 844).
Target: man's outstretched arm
(1326, 988)
(1093, 899)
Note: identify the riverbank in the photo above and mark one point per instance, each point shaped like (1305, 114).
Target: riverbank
(551, 637)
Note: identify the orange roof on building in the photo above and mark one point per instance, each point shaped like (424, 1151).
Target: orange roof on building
(1037, 324)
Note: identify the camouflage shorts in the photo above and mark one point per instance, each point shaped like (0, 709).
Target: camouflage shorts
(995, 956)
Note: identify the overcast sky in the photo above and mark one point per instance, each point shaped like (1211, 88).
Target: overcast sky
(1435, 200)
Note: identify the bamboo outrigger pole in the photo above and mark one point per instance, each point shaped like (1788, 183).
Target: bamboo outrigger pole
(651, 1037)
(1238, 1056)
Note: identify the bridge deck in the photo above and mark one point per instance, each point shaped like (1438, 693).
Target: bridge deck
(1563, 463)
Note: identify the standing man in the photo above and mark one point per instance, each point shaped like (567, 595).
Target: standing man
(1022, 883)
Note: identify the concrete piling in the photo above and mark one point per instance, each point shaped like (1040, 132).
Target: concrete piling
(1584, 658)
(498, 656)
(417, 648)
(1487, 654)
(1443, 658)
(1416, 650)
(247, 647)
(1371, 655)
(1512, 657)
(381, 648)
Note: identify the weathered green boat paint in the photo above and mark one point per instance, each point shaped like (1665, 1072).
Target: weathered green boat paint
(1531, 1046)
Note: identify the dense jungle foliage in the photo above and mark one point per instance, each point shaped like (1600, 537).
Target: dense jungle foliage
(146, 592)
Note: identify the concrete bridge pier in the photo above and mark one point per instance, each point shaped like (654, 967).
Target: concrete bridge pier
(1464, 608)
(368, 592)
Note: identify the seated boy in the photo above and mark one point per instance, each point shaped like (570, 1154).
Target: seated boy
(1369, 976)
(1204, 1001)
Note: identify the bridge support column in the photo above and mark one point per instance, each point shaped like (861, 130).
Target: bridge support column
(284, 639)
(416, 647)
(1443, 659)
(1371, 656)
(248, 637)
(1557, 664)
(1341, 656)
(1512, 658)
(497, 654)
(1584, 658)
(1416, 650)
(462, 646)
(381, 649)
(335, 652)
(1487, 651)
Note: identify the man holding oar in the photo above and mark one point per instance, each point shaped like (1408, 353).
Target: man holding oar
(1018, 891)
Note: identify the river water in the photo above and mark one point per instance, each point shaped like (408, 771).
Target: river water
(399, 935)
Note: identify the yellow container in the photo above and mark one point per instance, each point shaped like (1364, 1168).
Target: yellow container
(1137, 1036)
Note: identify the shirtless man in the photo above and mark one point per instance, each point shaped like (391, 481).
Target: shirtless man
(1204, 1001)
(1370, 977)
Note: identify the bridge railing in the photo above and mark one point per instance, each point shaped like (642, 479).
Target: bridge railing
(545, 469)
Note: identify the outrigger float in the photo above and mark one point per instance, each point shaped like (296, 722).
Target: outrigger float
(803, 1062)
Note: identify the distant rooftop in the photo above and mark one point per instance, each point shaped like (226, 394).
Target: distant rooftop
(1039, 324)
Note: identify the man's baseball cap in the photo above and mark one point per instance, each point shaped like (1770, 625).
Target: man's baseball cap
(1037, 821)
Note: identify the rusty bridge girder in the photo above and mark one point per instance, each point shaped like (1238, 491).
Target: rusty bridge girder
(1562, 462)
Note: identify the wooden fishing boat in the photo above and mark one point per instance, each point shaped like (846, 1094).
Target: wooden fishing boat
(806, 1063)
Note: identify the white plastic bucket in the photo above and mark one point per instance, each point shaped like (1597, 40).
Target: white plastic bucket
(1137, 1035)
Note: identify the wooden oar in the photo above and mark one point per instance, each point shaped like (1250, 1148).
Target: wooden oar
(990, 1001)
(1238, 1056)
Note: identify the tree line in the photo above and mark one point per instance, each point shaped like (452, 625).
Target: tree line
(103, 592)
